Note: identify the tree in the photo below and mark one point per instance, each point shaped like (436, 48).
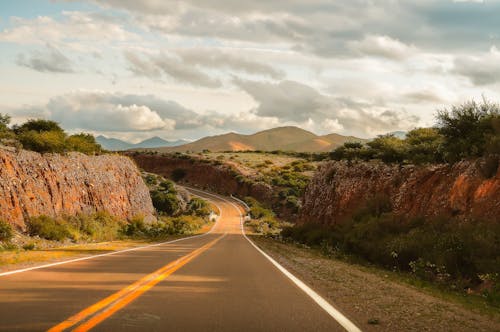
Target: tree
(388, 148)
(422, 145)
(38, 125)
(468, 129)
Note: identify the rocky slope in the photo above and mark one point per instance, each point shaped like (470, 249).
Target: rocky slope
(338, 189)
(218, 177)
(32, 184)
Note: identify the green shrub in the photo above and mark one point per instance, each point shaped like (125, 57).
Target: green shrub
(452, 253)
(43, 142)
(100, 226)
(136, 227)
(388, 148)
(469, 130)
(198, 207)
(6, 232)
(84, 143)
(49, 228)
(165, 202)
(423, 146)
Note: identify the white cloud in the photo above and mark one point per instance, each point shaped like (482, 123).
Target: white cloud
(382, 46)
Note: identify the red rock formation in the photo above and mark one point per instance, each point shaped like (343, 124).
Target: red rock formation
(32, 184)
(221, 178)
(339, 189)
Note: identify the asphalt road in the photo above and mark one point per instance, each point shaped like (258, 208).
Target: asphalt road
(214, 282)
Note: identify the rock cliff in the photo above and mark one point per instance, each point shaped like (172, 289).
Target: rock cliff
(32, 184)
(462, 190)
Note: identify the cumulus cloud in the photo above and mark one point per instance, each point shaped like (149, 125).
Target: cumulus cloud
(95, 111)
(298, 103)
(481, 70)
(110, 112)
(49, 60)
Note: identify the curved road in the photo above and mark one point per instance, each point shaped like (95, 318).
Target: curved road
(218, 281)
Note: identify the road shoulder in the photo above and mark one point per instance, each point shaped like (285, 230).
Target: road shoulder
(379, 303)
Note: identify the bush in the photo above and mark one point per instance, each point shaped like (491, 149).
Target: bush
(198, 207)
(6, 232)
(100, 226)
(423, 146)
(84, 143)
(135, 227)
(165, 202)
(388, 148)
(49, 228)
(43, 142)
(469, 130)
(453, 253)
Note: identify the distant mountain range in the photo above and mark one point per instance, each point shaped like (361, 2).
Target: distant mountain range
(282, 138)
(114, 144)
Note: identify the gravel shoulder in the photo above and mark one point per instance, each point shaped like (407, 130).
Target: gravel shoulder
(372, 300)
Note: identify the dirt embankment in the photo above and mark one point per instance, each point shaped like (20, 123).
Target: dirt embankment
(218, 177)
(32, 184)
(462, 190)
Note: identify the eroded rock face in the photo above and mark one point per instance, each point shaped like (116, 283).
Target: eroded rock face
(338, 189)
(219, 178)
(32, 184)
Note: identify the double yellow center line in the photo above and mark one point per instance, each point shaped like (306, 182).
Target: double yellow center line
(98, 312)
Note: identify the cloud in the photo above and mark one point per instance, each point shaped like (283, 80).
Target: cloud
(481, 70)
(50, 60)
(95, 111)
(382, 46)
(155, 66)
(294, 102)
(213, 58)
(73, 27)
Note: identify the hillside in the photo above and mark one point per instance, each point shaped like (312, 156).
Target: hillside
(114, 144)
(282, 138)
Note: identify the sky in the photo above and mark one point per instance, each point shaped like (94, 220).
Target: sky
(187, 69)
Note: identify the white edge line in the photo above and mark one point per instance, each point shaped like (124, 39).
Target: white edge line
(110, 253)
(334, 313)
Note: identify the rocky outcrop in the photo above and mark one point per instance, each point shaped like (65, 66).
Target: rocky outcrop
(218, 177)
(338, 189)
(32, 184)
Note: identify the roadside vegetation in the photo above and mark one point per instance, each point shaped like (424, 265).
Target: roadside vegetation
(177, 212)
(470, 130)
(45, 136)
(262, 220)
(458, 255)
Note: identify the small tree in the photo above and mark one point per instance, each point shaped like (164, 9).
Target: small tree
(388, 148)
(468, 129)
(38, 125)
(422, 145)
